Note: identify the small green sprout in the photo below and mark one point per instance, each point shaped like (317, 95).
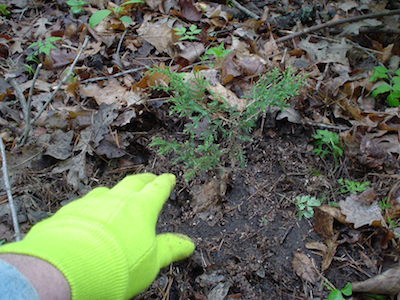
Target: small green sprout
(76, 6)
(3, 10)
(187, 34)
(392, 86)
(218, 51)
(100, 15)
(305, 205)
(336, 294)
(42, 47)
(353, 187)
(327, 142)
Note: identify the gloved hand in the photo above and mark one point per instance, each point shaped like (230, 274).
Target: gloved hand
(105, 243)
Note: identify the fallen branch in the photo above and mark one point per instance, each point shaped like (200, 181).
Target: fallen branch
(245, 10)
(70, 71)
(8, 190)
(338, 22)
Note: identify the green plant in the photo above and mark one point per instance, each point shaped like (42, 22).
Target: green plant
(353, 187)
(225, 126)
(3, 10)
(76, 6)
(219, 51)
(336, 294)
(305, 205)
(383, 204)
(41, 47)
(392, 86)
(187, 34)
(327, 142)
(100, 15)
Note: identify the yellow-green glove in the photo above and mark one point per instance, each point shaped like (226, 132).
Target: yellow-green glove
(105, 243)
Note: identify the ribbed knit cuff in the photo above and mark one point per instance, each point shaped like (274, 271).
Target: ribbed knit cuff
(87, 254)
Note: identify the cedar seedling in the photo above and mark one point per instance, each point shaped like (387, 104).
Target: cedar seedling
(226, 128)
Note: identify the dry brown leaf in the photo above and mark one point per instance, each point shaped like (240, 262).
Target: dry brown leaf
(153, 3)
(362, 210)
(332, 245)
(158, 34)
(387, 283)
(394, 201)
(317, 246)
(191, 51)
(229, 96)
(189, 10)
(323, 222)
(335, 212)
(112, 93)
(303, 267)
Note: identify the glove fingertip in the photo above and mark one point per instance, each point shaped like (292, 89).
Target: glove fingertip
(173, 247)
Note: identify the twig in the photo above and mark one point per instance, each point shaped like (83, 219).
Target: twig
(62, 81)
(8, 190)
(20, 96)
(113, 76)
(338, 22)
(116, 54)
(245, 10)
(28, 105)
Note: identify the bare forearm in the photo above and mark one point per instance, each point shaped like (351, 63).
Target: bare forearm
(48, 281)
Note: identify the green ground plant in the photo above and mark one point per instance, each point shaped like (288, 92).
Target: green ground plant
(305, 205)
(100, 15)
(76, 6)
(327, 142)
(3, 10)
(353, 187)
(392, 85)
(41, 47)
(218, 52)
(187, 34)
(336, 294)
(225, 127)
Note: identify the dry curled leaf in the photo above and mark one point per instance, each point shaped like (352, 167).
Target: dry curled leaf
(387, 283)
(303, 267)
(362, 210)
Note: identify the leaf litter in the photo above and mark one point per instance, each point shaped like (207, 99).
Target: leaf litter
(99, 125)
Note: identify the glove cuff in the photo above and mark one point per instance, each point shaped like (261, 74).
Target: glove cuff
(88, 255)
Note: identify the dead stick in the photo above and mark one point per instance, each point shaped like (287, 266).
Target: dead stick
(70, 71)
(28, 127)
(8, 190)
(245, 10)
(338, 22)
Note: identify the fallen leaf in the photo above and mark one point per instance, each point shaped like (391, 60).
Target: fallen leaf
(394, 202)
(189, 10)
(113, 93)
(387, 283)
(59, 145)
(191, 51)
(303, 267)
(220, 291)
(354, 27)
(40, 26)
(158, 34)
(230, 97)
(362, 210)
